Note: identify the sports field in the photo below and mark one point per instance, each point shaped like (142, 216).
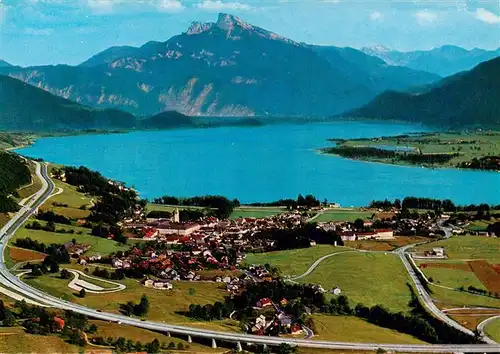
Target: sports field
(368, 278)
(343, 215)
(293, 262)
(354, 329)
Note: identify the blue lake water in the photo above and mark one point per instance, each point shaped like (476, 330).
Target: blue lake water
(262, 164)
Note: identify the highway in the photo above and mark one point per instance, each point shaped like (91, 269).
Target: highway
(14, 283)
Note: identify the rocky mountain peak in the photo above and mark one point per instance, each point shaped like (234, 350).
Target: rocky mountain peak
(228, 23)
(199, 27)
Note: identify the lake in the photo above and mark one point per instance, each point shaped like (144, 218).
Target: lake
(263, 164)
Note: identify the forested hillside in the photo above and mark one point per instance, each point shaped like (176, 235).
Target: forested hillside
(14, 173)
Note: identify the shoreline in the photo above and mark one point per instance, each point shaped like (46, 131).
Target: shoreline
(380, 162)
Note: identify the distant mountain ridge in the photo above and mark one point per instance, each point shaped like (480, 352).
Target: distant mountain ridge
(466, 99)
(224, 68)
(444, 61)
(4, 64)
(27, 108)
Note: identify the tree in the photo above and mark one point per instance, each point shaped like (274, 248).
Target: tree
(138, 346)
(153, 347)
(82, 292)
(142, 308)
(54, 268)
(359, 224)
(65, 274)
(180, 346)
(92, 328)
(285, 348)
(8, 318)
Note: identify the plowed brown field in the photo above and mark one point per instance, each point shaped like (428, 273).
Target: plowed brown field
(460, 266)
(487, 275)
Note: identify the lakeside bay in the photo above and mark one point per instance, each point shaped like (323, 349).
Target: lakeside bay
(263, 164)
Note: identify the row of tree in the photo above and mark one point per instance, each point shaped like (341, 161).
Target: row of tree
(308, 201)
(221, 206)
(429, 204)
(299, 237)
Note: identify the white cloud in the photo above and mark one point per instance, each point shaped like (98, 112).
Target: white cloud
(3, 12)
(38, 31)
(376, 16)
(426, 17)
(216, 5)
(486, 16)
(101, 6)
(107, 6)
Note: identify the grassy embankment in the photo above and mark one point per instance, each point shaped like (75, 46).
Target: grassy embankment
(114, 330)
(165, 305)
(354, 329)
(467, 145)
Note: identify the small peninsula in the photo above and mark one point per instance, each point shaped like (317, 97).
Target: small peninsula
(473, 150)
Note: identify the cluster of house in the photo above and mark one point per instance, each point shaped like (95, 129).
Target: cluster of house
(76, 249)
(210, 230)
(348, 232)
(279, 320)
(435, 253)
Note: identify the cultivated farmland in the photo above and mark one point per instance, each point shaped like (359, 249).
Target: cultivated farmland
(487, 274)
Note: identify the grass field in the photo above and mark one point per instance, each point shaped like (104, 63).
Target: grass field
(384, 245)
(99, 245)
(453, 278)
(368, 278)
(468, 248)
(468, 145)
(164, 305)
(293, 262)
(256, 212)
(72, 198)
(354, 329)
(457, 298)
(14, 340)
(493, 330)
(343, 215)
(480, 225)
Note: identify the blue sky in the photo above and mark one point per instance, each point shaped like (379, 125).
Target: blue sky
(39, 32)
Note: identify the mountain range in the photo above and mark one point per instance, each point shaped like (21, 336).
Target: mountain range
(469, 98)
(28, 108)
(225, 68)
(444, 61)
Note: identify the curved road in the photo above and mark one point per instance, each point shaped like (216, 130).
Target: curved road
(315, 264)
(11, 281)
